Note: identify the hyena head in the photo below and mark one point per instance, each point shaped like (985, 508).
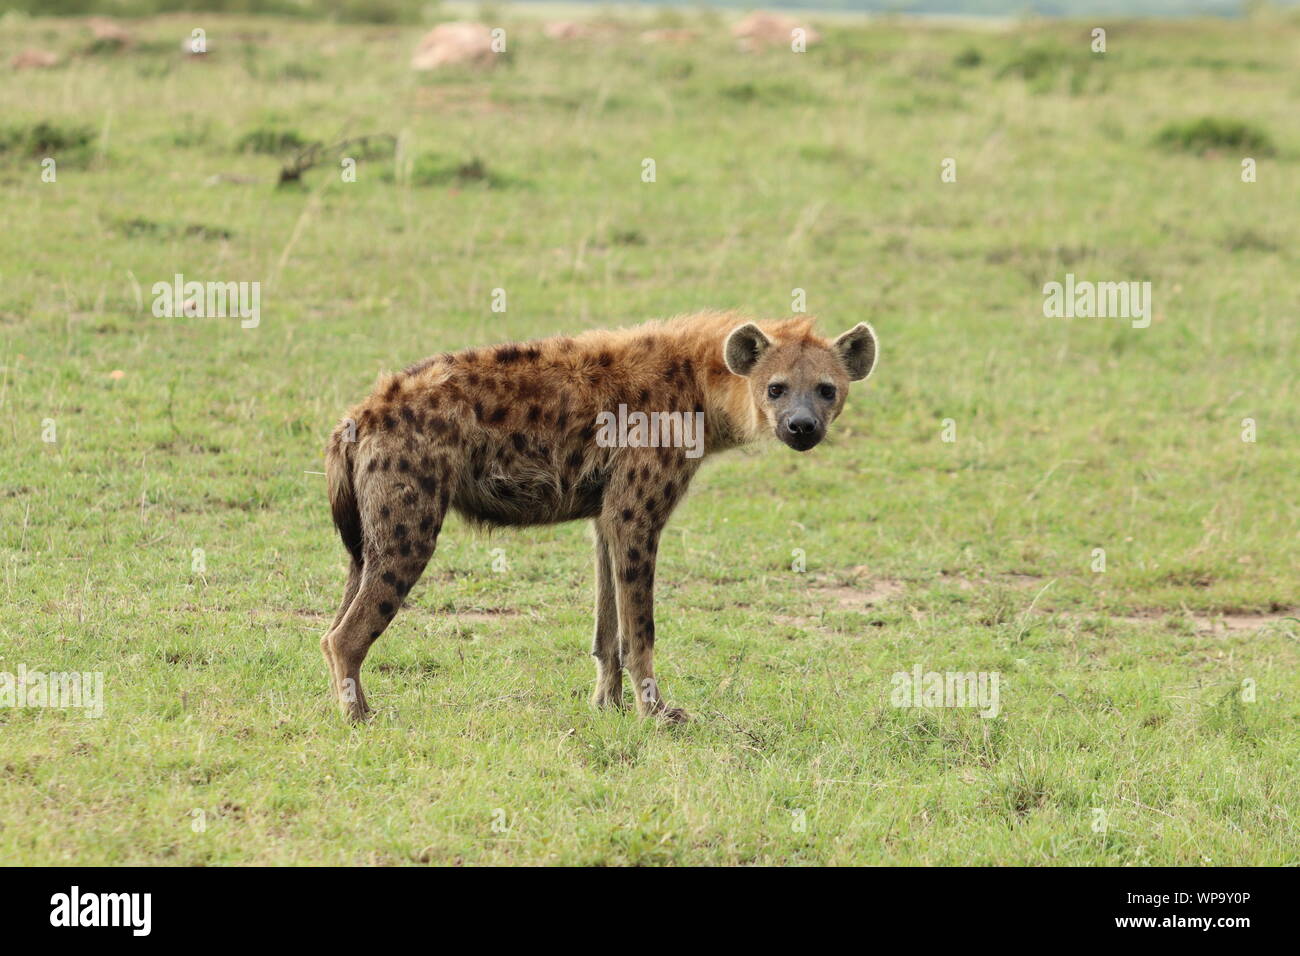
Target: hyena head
(798, 387)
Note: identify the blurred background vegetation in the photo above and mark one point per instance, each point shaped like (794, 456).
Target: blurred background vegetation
(419, 11)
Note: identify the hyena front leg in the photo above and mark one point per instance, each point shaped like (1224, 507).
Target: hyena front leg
(605, 645)
(634, 546)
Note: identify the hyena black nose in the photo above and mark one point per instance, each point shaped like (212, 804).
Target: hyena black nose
(803, 425)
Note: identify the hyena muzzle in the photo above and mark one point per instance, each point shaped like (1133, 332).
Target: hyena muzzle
(524, 434)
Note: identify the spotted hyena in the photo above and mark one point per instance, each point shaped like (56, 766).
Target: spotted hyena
(524, 435)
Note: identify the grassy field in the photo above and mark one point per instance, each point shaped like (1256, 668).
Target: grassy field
(1149, 712)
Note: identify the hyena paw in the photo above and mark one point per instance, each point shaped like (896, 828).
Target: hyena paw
(356, 711)
(606, 698)
(673, 715)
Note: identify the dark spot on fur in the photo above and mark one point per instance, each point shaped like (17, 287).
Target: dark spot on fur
(534, 413)
(627, 514)
(386, 608)
(498, 416)
(399, 529)
(403, 465)
(519, 441)
(374, 463)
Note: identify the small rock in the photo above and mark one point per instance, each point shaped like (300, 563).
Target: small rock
(108, 32)
(32, 59)
(450, 44)
(668, 36)
(567, 30)
(760, 30)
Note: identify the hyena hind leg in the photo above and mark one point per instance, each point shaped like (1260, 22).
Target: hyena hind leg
(384, 585)
(400, 517)
(349, 594)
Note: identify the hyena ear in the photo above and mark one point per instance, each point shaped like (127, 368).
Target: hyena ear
(745, 346)
(857, 350)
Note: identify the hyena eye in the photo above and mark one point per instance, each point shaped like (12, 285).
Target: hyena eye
(775, 391)
(827, 392)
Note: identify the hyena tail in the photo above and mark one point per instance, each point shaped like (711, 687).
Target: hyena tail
(343, 495)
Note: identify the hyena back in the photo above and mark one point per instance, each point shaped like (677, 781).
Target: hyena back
(508, 436)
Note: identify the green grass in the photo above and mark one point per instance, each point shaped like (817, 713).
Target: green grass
(774, 172)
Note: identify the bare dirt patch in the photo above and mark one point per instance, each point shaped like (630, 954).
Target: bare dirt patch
(795, 620)
(1245, 622)
(853, 592)
(1205, 622)
(860, 593)
(1015, 580)
(482, 615)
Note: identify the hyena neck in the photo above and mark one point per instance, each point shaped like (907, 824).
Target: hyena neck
(730, 418)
